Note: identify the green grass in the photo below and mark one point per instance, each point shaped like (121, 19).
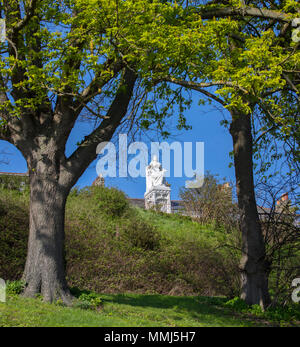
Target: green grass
(176, 227)
(127, 310)
(175, 271)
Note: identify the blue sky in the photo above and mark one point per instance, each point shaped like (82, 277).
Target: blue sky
(205, 122)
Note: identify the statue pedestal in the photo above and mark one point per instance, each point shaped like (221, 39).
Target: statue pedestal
(158, 197)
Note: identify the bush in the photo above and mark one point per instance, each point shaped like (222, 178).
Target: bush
(92, 300)
(86, 300)
(14, 228)
(2, 210)
(237, 304)
(140, 234)
(282, 239)
(212, 204)
(14, 182)
(275, 313)
(110, 201)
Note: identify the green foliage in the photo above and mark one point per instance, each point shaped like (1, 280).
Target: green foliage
(14, 226)
(141, 234)
(280, 314)
(14, 287)
(20, 183)
(89, 300)
(283, 314)
(237, 304)
(141, 251)
(252, 67)
(147, 252)
(110, 201)
(59, 302)
(64, 46)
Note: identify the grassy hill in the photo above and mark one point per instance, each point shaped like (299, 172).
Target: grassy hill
(112, 247)
(151, 269)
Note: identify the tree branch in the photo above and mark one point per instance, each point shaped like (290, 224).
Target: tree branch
(86, 152)
(26, 18)
(243, 12)
(199, 87)
(97, 83)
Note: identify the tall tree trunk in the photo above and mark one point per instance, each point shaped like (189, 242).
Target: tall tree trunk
(254, 266)
(45, 266)
(51, 177)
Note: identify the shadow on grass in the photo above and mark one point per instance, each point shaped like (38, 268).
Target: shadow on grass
(208, 311)
(188, 303)
(192, 305)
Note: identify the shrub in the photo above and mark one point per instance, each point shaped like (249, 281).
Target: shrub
(282, 239)
(237, 304)
(140, 233)
(92, 298)
(2, 210)
(212, 203)
(14, 220)
(110, 201)
(273, 313)
(87, 300)
(14, 182)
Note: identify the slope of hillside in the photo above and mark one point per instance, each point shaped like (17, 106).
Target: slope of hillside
(112, 247)
(151, 269)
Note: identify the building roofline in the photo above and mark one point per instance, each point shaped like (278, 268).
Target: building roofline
(14, 173)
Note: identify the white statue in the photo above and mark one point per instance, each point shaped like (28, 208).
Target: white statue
(154, 174)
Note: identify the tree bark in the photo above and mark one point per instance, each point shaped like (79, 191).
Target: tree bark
(52, 175)
(254, 265)
(41, 131)
(45, 265)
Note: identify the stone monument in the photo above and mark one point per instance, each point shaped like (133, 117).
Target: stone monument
(158, 193)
